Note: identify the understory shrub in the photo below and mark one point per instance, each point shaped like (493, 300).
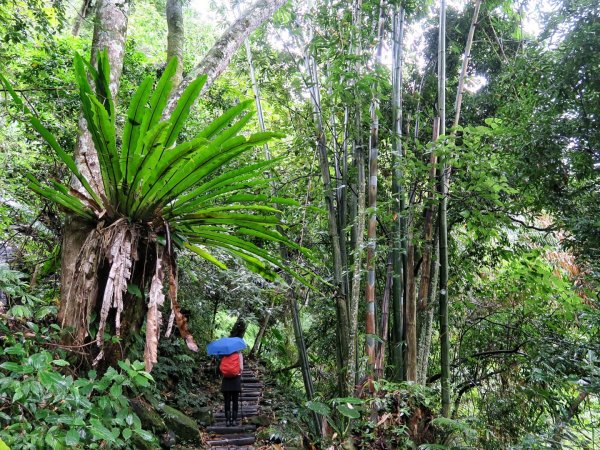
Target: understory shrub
(44, 404)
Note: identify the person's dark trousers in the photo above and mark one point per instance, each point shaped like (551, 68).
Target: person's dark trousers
(231, 397)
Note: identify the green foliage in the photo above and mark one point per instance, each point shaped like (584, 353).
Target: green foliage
(23, 304)
(150, 180)
(43, 404)
(339, 413)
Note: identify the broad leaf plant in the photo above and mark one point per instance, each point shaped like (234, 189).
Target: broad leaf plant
(160, 194)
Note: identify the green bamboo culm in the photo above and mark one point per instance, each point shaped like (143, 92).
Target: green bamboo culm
(443, 299)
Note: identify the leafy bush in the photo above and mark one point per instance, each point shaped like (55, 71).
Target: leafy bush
(42, 405)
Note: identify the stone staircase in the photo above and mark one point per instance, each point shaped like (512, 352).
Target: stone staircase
(243, 435)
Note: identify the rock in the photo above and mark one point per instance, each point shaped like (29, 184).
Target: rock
(150, 419)
(141, 444)
(203, 415)
(184, 427)
(168, 439)
(261, 421)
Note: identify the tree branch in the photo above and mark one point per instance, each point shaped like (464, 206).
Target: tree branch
(219, 56)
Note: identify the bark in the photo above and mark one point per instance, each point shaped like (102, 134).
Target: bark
(356, 278)
(257, 102)
(109, 33)
(262, 330)
(219, 56)
(443, 299)
(570, 413)
(300, 344)
(340, 188)
(399, 237)
(81, 16)
(175, 37)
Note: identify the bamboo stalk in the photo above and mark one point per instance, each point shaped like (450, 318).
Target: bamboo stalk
(465, 64)
(372, 222)
(340, 293)
(443, 298)
(399, 237)
(357, 207)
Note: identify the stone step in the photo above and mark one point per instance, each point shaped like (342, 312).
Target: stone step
(224, 429)
(233, 439)
(237, 447)
(246, 413)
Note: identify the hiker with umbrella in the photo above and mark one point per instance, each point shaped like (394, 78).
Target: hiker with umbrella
(231, 367)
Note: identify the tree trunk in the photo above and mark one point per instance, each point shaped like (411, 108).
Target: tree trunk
(564, 422)
(357, 261)
(262, 330)
(81, 16)
(424, 312)
(175, 37)
(399, 236)
(257, 102)
(219, 56)
(109, 33)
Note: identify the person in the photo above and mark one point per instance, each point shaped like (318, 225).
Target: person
(232, 387)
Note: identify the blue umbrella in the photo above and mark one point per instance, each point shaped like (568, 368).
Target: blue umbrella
(226, 346)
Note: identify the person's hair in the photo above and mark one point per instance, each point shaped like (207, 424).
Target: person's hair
(239, 328)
